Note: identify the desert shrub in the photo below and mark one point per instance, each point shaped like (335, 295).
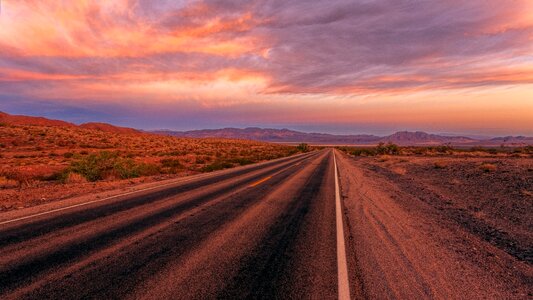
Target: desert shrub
(60, 176)
(217, 165)
(390, 149)
(243, 161)
(440, 164)
(68, 155)
(3, 124)
(96, 167)
(303, 147)
(6, 183)
(363, 152)
(74, 178)
(443, 149)
(21, 178)
(171, 165)
(487, 167)
(128, 168)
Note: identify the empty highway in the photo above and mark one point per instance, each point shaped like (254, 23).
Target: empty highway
(293, 228)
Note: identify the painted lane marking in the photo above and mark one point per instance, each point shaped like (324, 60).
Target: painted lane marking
(278, 172)
(260, 181)
(342, 265)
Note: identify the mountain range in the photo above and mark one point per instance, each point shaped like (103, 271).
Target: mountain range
(400, 138)
(285, 135)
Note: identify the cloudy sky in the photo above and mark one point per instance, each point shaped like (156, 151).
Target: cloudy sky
(342, 66)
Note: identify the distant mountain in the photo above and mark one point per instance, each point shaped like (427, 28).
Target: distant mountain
(274, 135)
(419, 137)
(513, 140)
(40, 121)
(109, 128)
(400, 138)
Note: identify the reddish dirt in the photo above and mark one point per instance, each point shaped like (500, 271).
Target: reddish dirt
(443, 227)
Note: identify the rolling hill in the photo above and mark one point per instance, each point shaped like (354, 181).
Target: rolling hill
(40, 121)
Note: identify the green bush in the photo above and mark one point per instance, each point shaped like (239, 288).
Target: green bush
(96, 167)
(68, 155)
(303, 147)
(391, 149)
(243, 161)
(217, 165)
(171, 163)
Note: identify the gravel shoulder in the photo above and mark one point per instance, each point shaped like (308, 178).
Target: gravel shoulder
(441, 227)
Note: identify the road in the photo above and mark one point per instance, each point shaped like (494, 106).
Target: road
(281, 229)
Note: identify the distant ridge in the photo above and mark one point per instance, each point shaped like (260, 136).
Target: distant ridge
(37, 121)
(109, 128)
(401, 138)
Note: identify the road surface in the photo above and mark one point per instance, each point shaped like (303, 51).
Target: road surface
(293, 228)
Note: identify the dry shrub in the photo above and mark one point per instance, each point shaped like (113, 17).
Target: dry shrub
(6, 183)
(440, 164)
(384, 158)
(75, 178)
(487, 168)
(399, 170)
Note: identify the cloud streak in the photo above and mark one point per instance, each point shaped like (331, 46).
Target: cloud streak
(234, 53)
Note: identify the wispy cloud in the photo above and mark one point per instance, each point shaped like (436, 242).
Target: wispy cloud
(233, 53)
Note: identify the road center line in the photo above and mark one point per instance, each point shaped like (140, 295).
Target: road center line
(342, 265)
(260, 181)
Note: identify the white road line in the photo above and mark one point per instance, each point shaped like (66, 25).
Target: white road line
(342, 265)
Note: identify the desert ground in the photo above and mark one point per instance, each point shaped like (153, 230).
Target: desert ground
(461, 218)
(42, 163)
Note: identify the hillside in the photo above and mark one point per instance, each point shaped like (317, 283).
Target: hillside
(40, 121)
(109, 128)
(35, 121)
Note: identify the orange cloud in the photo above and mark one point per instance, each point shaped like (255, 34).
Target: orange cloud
(84, 29)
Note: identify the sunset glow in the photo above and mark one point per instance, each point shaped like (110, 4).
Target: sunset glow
(332, 66)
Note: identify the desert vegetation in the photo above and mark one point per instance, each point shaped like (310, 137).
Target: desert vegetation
(442, 150)
(38, 157)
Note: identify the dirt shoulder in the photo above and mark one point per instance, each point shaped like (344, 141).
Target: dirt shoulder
(444, 227)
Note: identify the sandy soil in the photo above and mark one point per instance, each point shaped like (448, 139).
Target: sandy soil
(440, 227)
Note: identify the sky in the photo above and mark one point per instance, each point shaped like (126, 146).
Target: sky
(338, 66)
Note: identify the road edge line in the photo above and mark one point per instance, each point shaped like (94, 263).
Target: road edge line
(174, 182)
(342, 264)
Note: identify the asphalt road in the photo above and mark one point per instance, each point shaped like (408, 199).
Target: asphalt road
(265, 231)
(293, 228)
